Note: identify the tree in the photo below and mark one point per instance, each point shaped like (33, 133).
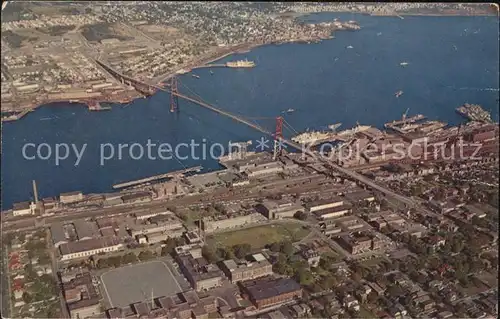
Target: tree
(27, 298)
(275, 247)
(372, 297)
(300, 215)
(356, 277)
(304, 277)
(286, 248)
(102, 263)
(146, 255)
(169, 247)
(129, 258)
(44, 258)
(241, 250)
(209, 254)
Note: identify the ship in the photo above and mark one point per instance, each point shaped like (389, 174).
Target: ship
(349, 47)
(405, 120)
(288, 111)
(211, 72)
(474, 112)
(240, 64)
(398, 93)
(195, 76)
(404, 63)
(358, 128)
(313, 137)
(96, 106)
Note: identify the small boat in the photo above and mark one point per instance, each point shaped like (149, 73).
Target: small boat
(212, 73)
(398, 93)
(349, 47)
(380, 33)
(404, 63)
(195, 76)
(290, 110)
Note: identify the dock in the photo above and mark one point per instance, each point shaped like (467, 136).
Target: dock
(157, 177)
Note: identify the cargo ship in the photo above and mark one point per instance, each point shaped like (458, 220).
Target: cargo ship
(96, 106)
(240, 64)
(405, 120)
(474, 112)
(358, 128)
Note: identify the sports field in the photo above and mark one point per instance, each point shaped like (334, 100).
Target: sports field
(126, 285)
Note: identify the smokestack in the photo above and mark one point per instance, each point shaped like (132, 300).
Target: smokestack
(35, 192)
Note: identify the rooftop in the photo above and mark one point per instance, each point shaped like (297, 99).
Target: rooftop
(268, 287)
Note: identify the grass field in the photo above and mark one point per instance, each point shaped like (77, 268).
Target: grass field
(260, 236)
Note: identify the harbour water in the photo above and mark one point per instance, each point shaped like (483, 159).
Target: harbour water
(451, 60)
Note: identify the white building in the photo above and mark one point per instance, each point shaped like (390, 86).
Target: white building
(23, 209)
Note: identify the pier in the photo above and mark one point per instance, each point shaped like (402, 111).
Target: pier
(157, 177)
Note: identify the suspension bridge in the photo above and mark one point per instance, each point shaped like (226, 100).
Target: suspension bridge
(279, 139)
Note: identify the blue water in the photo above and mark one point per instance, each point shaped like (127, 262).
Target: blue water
(452, 60)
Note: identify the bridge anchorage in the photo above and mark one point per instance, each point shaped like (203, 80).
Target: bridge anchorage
(174, 95)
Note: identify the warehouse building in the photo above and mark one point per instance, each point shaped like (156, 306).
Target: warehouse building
(71, 197)
(227, 221)
(278, 209)
(266, 292)
(89, 247)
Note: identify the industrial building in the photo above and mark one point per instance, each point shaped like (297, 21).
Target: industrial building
(227, 221)
(268, 291)
(324, 204)
(24, 209)
(278, 209)
(333, 212)
(359, 196)
(58, 234)
(86, 229)
(243, 271)
(71, 197)
(156, 224)
(199, 273)
(89, 247)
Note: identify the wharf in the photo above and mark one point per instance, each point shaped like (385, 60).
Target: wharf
(16, 116)
(157, 177)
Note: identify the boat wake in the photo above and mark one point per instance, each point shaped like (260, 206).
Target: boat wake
(475, 89)
(480, 89)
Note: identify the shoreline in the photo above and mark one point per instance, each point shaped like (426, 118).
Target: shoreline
(125, 99)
